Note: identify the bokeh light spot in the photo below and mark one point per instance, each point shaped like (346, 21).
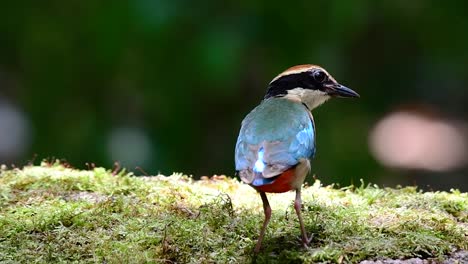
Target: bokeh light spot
(130, 146)
(15, 132)
(411, 140)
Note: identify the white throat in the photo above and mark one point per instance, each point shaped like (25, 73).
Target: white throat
(311, 98)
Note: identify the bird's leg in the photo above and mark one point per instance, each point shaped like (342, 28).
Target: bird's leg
(267, 211)
(297, 207)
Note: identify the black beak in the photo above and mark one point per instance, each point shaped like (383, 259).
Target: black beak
(338, 90)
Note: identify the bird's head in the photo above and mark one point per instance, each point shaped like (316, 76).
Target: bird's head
(309, 84)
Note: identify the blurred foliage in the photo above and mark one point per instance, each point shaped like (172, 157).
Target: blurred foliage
(187, 72)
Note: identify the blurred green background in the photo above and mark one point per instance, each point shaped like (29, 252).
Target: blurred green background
(164, 84)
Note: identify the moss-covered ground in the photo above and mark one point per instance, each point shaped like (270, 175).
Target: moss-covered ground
(54, 214)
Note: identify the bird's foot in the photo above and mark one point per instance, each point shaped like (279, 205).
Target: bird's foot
(257, 248)
(306, 241)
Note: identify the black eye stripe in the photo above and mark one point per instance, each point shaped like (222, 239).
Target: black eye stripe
(305, 79)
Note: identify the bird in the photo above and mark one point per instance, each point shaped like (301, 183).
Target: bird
(277, 138)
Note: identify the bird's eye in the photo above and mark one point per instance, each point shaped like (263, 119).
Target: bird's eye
(319, 76)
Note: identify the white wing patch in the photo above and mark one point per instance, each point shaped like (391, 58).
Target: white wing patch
(259, 164)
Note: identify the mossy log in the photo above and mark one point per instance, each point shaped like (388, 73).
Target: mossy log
(51, 213)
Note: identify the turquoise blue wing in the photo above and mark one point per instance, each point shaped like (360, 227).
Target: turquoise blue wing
(274, 137)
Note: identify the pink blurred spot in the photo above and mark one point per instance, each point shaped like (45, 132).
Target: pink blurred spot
(413, 140)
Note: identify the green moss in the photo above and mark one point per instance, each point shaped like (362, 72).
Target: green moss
(50, 213)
